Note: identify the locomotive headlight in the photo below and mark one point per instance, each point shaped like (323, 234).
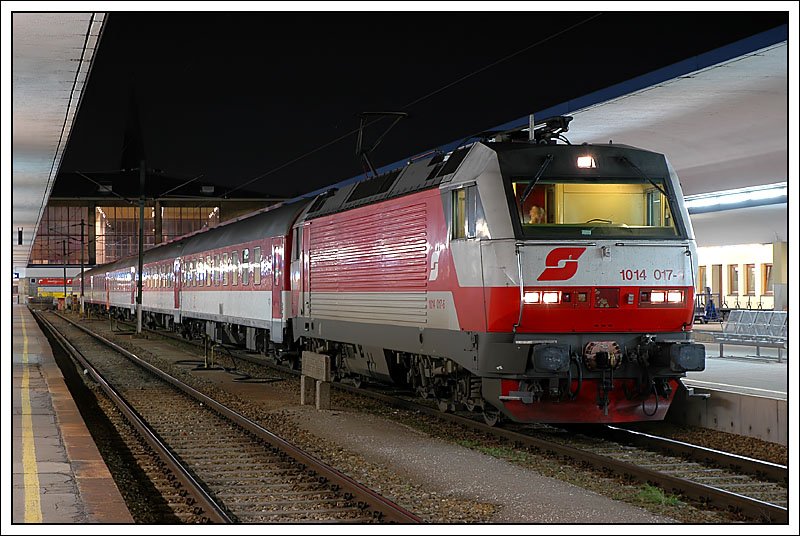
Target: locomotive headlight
(532, 297)
(550, 297)
(586, 162)
(658, 296)
(675, 296)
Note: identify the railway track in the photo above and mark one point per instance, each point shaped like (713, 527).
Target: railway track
(226, 468)
(751, 488)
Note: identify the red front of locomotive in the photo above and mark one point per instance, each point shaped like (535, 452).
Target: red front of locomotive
(595, 290)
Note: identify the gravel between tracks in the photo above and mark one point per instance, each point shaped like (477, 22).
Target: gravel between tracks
(441, 506)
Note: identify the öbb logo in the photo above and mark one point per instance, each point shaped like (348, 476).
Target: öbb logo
(561, 264)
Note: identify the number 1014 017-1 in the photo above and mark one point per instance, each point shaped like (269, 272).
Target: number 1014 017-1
(640, 275)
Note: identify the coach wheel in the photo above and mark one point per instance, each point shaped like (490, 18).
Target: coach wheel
(491, 415)
(470, 405)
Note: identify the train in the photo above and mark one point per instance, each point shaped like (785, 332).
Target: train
(518, 275)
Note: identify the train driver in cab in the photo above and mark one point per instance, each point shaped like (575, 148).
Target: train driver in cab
(536, 214)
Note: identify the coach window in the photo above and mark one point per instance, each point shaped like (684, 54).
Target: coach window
(217, 270)
(198, 269)
(246, 267)
(209, 271)
(235, 272)
(226, 267)
(257, 266)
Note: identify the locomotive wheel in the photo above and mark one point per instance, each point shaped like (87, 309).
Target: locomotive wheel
(492, 415)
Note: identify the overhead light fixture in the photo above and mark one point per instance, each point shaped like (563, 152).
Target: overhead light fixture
(738, 198)
(19, 236)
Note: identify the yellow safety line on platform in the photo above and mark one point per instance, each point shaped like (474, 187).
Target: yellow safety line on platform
(33, 506)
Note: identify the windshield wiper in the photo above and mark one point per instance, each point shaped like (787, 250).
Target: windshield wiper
(529, 188)
(645, 177)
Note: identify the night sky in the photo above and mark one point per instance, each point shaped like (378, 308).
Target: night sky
(234, 96)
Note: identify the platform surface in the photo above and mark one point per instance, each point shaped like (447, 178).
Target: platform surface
(57, 474)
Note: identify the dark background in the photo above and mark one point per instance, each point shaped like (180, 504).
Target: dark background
(235, 96)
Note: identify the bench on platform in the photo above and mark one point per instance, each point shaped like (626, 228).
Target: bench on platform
(755, 328)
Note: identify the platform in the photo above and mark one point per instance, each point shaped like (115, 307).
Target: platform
(740, 370)
(58, 474)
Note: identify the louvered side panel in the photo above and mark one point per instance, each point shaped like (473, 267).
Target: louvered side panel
(371, 265)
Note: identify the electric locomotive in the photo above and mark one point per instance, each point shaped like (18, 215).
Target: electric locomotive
(536, 281)
(528, 279)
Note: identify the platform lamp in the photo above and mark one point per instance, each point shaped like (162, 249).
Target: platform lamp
(19, 236)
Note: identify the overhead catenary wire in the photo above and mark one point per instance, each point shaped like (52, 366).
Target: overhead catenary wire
(414, 102)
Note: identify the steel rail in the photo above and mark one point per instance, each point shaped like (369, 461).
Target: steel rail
(748, 506)
(761, 468)
(213, 511)
(391, 511)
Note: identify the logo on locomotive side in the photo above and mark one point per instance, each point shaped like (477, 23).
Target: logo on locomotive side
(561, 264)
(434, 266)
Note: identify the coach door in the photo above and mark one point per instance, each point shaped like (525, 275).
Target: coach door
(133, 286)
(279, 308)
(176, 282)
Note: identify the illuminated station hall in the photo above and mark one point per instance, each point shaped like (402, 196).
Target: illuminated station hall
(583, 304)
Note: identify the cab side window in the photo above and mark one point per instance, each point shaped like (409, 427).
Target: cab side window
(468, 218)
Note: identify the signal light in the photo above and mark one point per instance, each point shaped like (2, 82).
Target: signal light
(586, 162)
(546, 297)
(675, 296)
(551, 297)
(672, 296)
(531, 297)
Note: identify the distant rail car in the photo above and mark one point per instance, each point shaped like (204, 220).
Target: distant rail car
(531, 280)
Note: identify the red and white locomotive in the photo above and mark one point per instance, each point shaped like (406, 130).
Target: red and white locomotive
(531, 280)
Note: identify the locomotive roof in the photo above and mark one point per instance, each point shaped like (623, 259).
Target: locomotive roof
(417, 175)
(522, 159)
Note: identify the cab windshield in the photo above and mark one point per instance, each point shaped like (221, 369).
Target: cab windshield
(593, 208)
